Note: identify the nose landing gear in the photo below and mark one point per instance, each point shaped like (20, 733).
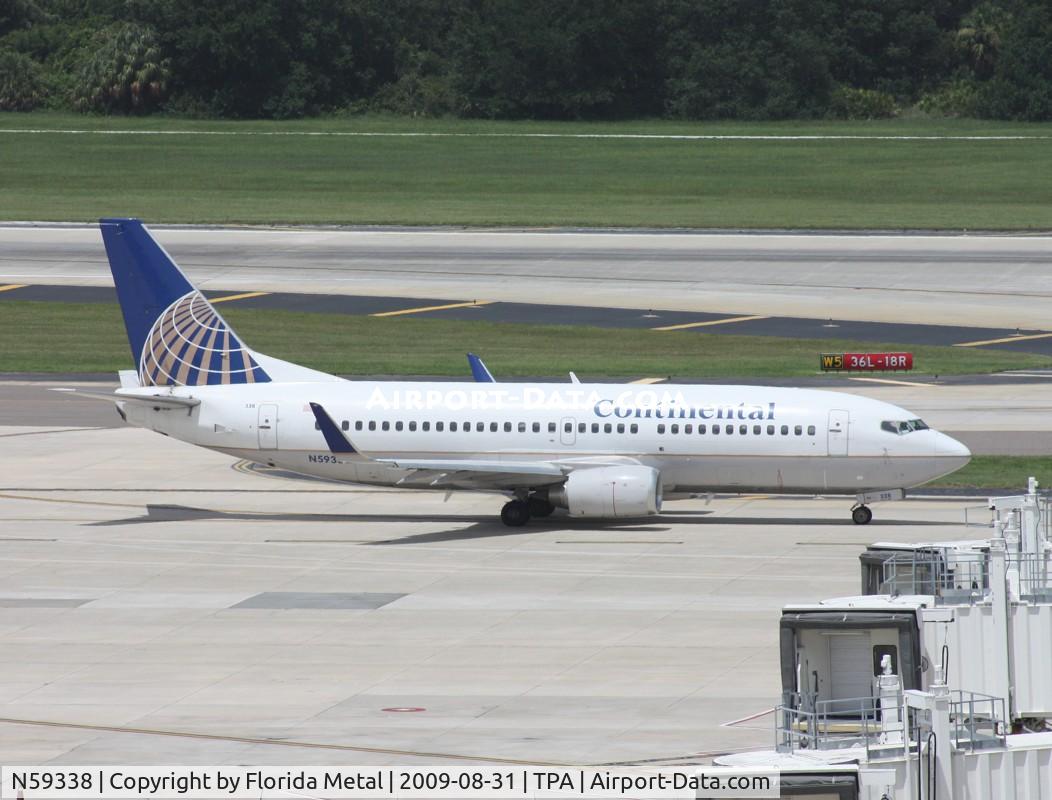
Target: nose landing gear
(861, 515)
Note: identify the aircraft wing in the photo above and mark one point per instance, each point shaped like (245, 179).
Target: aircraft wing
(467, 474)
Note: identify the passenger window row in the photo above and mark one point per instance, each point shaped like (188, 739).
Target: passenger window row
(743, 430)
(480, 427)
(568, 427)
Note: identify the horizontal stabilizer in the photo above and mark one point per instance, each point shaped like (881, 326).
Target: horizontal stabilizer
(158, 399)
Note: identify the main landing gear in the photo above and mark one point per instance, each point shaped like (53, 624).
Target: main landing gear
(861, 515)
(517, 513)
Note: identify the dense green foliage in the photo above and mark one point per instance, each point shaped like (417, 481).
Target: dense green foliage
(544, 59)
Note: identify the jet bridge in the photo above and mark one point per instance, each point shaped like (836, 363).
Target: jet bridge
(934, 683)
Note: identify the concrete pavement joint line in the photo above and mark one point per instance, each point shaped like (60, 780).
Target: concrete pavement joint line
(6, 496)
(708, 323)
(188, 490)
(243, 296)
(749, 718)
(141, 542)
(275, 742)
(52, 430)
(614, 541)
(689, 757)
(297, 279)
(497, 135)
(1005, 340)
(422, 309)
(891, 382)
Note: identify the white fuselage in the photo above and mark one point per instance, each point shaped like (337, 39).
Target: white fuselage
(700, 438)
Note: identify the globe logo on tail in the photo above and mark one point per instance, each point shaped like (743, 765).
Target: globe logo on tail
(191, 345)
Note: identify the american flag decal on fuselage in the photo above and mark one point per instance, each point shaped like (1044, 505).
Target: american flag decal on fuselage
(191, 345)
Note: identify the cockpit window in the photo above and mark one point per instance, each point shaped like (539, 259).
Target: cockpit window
(903, 426)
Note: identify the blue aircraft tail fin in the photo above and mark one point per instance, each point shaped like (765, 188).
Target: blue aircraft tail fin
(177, 338)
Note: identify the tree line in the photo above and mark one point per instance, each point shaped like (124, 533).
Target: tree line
(535, 59)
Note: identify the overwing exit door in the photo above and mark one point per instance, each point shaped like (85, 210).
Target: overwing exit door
(567, 431)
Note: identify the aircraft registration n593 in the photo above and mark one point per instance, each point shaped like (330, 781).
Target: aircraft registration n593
(596, 450)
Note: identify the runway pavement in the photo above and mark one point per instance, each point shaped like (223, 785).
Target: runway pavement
(1001, 282)
(158, 606)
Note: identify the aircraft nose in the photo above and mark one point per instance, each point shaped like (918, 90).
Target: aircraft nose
(947, 446)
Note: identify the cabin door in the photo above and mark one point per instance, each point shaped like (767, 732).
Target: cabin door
(838, 421)
(268, 426)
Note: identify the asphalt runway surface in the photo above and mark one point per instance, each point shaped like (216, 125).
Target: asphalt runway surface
(994, 282)
(158, 605)
(902, 334)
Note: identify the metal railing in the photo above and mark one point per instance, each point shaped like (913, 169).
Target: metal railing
(833, 725)
(977, 721)
(949, 576)
(1035, 575)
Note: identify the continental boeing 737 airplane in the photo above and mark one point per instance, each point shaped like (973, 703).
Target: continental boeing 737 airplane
(596, 450)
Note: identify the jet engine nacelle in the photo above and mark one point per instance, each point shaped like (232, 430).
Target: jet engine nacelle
(629, 491)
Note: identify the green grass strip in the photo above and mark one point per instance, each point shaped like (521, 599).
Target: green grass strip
(477, 178)
(75, 337)
(999, 472)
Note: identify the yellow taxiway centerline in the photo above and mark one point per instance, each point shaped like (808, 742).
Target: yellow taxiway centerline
(431, 308)
(706, 323)
(1005, 340)
(244, 296)
(12, 286)
(649, 380)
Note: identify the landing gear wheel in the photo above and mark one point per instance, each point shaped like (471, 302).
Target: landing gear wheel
(539, 507)
(861, 515)
(515, 514)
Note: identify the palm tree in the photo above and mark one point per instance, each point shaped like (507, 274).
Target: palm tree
(980, 37)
